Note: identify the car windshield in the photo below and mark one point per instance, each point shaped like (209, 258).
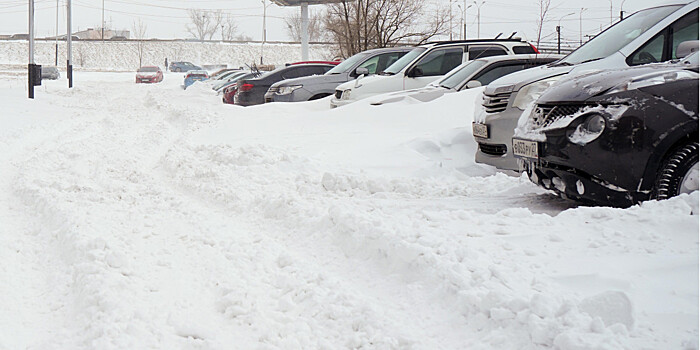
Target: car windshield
(619, 35)
(148, 69)
(457, 77)
(347, 64)
(404, 61)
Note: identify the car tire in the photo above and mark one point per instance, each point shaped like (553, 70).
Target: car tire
(679, 170)
(178, 70)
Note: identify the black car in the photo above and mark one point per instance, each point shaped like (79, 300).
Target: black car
(615, 137)
(252, 91)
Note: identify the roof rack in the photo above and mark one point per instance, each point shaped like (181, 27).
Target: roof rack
(436, 43)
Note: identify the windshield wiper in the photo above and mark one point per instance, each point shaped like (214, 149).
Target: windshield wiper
(591, 60)
(558, 64)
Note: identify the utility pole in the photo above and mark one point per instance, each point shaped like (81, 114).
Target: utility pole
(264, 33)
(450, 20)
(56, 37)
(478, 17)
(69, 37)
(30, 67)
(305, 31)
(103, 20)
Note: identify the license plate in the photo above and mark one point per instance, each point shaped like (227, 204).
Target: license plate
(480, 130)
(525, 148)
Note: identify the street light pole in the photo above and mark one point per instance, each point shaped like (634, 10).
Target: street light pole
(56, 37)
(264, 32)
(69, 37)
(478, 17)
(30, 66)
(450, 19)
(622, 14)
(580, 26)
(465, 18)
(559, 32)
(103, 20)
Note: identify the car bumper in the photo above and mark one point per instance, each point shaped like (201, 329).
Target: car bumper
(335, 102)
(497, 150)
(572, 183)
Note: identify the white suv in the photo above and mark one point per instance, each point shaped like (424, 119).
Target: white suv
(425, 64)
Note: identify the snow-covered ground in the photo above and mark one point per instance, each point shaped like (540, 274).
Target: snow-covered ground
(151, 217)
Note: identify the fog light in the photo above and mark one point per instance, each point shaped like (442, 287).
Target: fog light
(559, 184)
(580, 188)
(589, 130)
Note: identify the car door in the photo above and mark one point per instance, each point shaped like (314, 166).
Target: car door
(431, 66)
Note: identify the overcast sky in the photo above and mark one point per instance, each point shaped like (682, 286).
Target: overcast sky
(168, 18)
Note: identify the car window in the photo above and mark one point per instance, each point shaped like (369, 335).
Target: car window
(457, 77)
(684, 29)
(293, 72)
(523, 50)
(619, 35)
(485, 51)
(371, 64)
(404, 61)
(387, 59)
(657, 49)
(440, 61)
(491, 74)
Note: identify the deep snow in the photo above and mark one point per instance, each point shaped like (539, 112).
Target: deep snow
(151, 217)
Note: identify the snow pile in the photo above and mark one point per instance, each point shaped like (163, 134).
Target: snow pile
(164, 219)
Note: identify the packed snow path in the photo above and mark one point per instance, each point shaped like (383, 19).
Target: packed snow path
(148, 217)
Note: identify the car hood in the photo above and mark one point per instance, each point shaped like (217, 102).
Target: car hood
(313, 80)
(424, 94)
(373, 85)
(524, 77)
(584, 87)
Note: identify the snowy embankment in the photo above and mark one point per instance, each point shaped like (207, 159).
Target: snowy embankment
(124, 55)
(161, 218)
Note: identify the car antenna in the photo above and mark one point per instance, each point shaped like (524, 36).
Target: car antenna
(499, 34)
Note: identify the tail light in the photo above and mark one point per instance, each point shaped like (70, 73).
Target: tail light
(246, 87)
(534, 48)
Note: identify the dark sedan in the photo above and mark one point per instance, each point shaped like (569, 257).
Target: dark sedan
(616, 137)
(252, 91)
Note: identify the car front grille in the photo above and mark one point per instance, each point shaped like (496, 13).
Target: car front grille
(338, 94)
(496, 103)
(493, 150)
(545, 115)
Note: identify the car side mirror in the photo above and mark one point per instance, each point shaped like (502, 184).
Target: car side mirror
(361, 71)
(415, 72)
(473, 84)
(686, 48)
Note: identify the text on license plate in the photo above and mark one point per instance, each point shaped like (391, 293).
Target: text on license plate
(525, 148)
(480, 130)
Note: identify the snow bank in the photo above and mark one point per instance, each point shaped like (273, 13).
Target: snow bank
(163, 219)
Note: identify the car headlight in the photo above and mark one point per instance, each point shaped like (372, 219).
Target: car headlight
(346, 94)
(589, 130)
(286, 90)
(651, 80)
(531, 92)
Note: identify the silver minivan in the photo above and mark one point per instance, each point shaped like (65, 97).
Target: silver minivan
(647, 36)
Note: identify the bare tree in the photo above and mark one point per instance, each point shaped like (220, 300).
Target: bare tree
(365, 24)
(204, 24)
(139, 31)
(229, 28)
(316, 30)
(542, 18)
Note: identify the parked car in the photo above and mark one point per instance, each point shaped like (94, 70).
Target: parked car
(195, 75)
(50, 72)
(149, 74)
(230, 93)
(234, 81)
(617, 137)
(252, 91)
(320, 86)
(218, 84)
(222, 72)
(470, 74)
(425, 64)
(183, 67)
(650, 35)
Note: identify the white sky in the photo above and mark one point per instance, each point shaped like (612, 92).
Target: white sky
(168, 18)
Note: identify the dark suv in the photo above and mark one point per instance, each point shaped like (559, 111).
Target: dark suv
(616, 137)
(252, 91)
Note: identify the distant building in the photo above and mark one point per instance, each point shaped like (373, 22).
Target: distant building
(96, 34)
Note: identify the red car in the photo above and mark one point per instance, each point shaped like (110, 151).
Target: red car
(149, 74)
(229, 92)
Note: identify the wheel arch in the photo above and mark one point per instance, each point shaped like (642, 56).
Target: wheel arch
(686, 133)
